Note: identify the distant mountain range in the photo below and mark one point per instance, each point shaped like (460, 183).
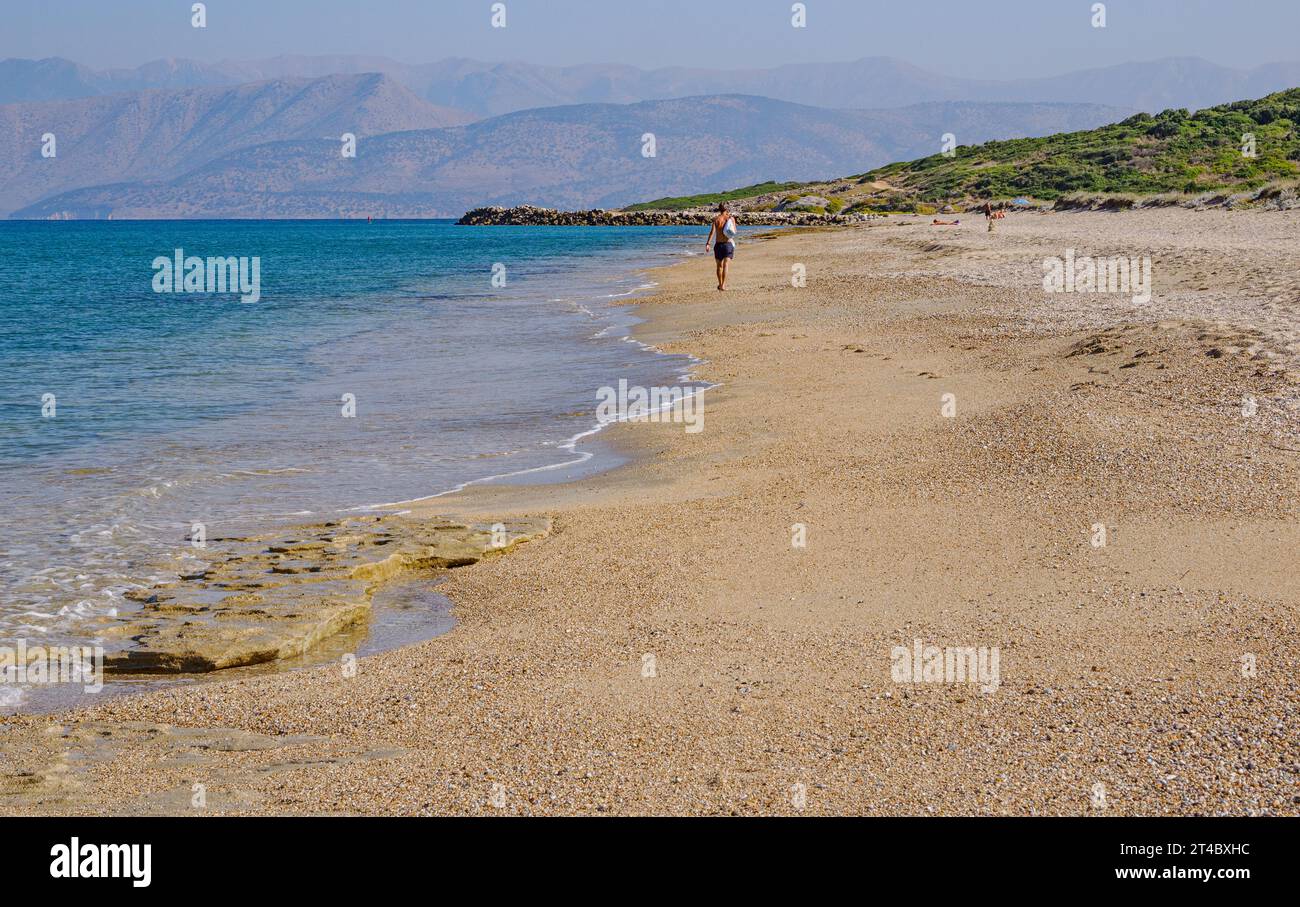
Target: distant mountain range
(272, 149)
(161, 135)
(180, 138)
(490, 89)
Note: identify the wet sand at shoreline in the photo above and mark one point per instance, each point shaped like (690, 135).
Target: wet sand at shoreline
(767, 687)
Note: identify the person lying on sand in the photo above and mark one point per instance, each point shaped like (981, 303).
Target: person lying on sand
(945, 223)
(724, 228)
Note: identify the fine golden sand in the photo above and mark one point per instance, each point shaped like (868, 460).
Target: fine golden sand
(1112, 504)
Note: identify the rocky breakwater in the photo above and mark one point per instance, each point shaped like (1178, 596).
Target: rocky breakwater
(257, 599)
(530, 216)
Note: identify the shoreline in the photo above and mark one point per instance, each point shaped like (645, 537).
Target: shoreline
(591, 435)
(570, 453)
(771, 663)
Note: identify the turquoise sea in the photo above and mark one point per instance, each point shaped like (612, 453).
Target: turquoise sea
(127, 415)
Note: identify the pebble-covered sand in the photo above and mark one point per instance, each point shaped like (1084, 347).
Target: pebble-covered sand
(1103, 494)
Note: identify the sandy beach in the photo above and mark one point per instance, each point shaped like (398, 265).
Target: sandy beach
(1100, 494)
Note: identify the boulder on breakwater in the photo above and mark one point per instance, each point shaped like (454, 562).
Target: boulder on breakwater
(529, 215)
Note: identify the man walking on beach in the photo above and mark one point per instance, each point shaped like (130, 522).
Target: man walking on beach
(724, 228)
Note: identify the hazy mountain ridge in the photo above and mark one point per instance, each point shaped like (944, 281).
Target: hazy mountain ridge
(571, 156)
(490, 89)
(157, 135)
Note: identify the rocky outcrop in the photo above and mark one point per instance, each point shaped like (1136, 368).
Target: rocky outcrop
(264, 598)
(813, 203)
(530, 216)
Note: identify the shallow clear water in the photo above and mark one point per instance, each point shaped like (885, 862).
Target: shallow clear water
(183, 408)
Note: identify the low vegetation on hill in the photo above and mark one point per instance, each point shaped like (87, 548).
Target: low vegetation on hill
(712, 198)
(1176, 154)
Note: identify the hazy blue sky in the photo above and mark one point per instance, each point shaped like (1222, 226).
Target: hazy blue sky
(994, 38)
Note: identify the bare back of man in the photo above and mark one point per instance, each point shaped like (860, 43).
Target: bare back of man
(724, 249)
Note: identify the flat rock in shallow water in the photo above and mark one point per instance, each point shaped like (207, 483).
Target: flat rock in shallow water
(266, 598)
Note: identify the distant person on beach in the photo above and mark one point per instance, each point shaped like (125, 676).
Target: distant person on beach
(724, 249)
(993, 214)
